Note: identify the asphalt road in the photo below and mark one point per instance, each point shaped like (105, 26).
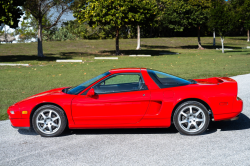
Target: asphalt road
(225, 143)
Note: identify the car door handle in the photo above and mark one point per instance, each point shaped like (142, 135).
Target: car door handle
(143, 95)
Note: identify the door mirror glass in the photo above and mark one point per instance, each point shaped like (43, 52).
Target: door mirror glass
(143, 87)
(91, 93)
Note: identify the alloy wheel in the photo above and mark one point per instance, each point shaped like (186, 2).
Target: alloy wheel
(48, 121)
(191, 118)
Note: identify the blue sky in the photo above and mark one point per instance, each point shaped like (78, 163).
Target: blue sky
(68, 16)
(65, 17)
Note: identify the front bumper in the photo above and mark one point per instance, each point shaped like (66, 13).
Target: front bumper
(16, 118)
(20, 123)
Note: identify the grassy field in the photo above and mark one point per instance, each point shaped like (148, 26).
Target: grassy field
(17, 83)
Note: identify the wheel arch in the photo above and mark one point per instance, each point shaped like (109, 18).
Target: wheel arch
(192, 99)
(42, 104)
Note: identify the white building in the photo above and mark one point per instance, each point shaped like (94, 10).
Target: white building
(6, 28)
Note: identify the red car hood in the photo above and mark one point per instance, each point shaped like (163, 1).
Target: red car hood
(49, 92)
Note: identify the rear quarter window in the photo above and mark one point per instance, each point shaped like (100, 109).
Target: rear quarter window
(164, 80)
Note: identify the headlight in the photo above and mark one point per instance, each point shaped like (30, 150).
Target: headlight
(14, 112)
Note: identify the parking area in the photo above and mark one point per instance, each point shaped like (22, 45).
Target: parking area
(224, 143)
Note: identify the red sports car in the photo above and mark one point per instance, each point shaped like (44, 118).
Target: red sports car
(130, 98)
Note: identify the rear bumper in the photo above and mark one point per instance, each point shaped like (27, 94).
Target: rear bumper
(238, 105)
(235, 118)
(234, 115)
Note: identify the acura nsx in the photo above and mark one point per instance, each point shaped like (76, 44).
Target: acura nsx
(130, 98)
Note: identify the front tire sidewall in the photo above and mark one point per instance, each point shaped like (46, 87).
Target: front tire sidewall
(196, 104)
(61, 114)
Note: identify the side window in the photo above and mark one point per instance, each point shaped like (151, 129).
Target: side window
(164, 80)
(123, 79)
(120, 83)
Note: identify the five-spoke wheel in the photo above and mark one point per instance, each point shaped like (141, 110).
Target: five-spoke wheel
(49, 121)
(191, 118)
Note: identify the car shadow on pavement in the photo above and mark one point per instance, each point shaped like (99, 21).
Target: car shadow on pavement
(241, 124)
(27, 132)
(67, 132)
(170, 130)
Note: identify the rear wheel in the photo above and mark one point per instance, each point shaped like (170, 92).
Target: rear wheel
(191, 118)
(49, 121)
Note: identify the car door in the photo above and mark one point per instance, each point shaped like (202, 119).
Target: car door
(119, 99)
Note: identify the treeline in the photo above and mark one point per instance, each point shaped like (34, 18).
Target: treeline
(104, 19)
(173, 18)
(164, 18)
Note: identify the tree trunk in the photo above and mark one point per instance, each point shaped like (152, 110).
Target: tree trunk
(222, 44)
(151, 31)
(248, 35)
(214, 38)
(117, 42)
(39, 39)
(129, 36)
(199, 39)
(138, 38)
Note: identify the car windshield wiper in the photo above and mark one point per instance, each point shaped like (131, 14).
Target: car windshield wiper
(65, 90)
(192, 81)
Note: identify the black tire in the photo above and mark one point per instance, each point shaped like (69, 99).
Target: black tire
(192, 122)
(52, 118)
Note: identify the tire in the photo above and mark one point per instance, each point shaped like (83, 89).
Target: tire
(191, 118)
(49, 121)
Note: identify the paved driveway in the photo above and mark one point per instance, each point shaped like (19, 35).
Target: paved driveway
(225, 143)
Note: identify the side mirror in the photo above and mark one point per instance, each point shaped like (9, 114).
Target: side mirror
(90, 93)
(143, 87)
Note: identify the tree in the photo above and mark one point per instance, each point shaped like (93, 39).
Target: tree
(221, 19)
(213, 37)
(244, 15)
(39, 8)
(138, 38)
(27, 28)
(10, 12)
(117, 14)
(148, 12)
(180, 14)
(200, 10)
(175, 14)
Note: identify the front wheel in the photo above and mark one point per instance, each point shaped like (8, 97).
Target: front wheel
(191, 118)
(49, 121)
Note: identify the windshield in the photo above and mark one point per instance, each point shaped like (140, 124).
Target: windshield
(77, 89)
(164, 80)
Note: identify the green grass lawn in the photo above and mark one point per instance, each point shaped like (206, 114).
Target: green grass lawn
(17, 83)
